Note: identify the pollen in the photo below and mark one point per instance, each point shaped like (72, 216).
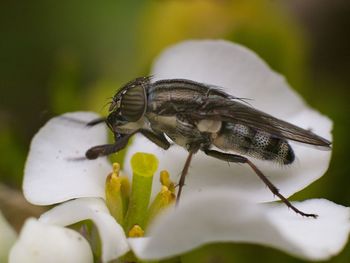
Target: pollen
(136, 231)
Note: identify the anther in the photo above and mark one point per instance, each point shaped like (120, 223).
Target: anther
(136, 231)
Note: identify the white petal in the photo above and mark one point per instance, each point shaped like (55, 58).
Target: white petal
(7, 238)
(39, 242)
(242, 74)
(233, 67)
(310, 164)
(52, 173)
(114, 243)
(222, 217)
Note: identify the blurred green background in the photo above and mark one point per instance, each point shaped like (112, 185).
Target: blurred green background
(58, 56)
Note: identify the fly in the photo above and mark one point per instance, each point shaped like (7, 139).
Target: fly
(197, 117)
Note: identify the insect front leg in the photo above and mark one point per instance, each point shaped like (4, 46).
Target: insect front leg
(240, 159)
(106, 149)
(96, 121)
(157, 138)
(121, 142)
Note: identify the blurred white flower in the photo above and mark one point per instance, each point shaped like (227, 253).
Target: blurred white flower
(42, 243)
(7, 238)
(114, 242)
(221, 216)
(220, 202)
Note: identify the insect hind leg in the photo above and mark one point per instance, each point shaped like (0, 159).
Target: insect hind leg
(240, 159)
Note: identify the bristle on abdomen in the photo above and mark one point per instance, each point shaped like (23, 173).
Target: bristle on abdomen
(255, 143)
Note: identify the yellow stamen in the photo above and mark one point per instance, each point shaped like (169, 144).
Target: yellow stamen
(166, 195)
(136, 231)
(165, 181)
(165, 198)
(113, 182)
(116, 169)
(117, 192)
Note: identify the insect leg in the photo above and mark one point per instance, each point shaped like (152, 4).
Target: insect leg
(96, 121)
(157, 138)
(240, 159)
(183, 175)
(106, 149)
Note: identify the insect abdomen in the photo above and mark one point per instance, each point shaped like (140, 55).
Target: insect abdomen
(255, 143)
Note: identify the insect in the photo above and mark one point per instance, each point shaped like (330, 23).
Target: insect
(197, 117)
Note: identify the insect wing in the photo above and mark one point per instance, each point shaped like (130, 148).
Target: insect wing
(236, 112)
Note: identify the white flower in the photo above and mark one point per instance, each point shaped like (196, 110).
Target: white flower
(220, 202)
(223, 217)
(7, 238)
(53, 175)
(41, 243)
(114, 243)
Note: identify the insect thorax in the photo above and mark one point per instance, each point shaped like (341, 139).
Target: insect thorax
(171, 96)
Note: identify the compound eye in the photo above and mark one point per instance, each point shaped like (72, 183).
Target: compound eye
(133, 103)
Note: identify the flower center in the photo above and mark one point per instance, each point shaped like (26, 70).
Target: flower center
(132, 207)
